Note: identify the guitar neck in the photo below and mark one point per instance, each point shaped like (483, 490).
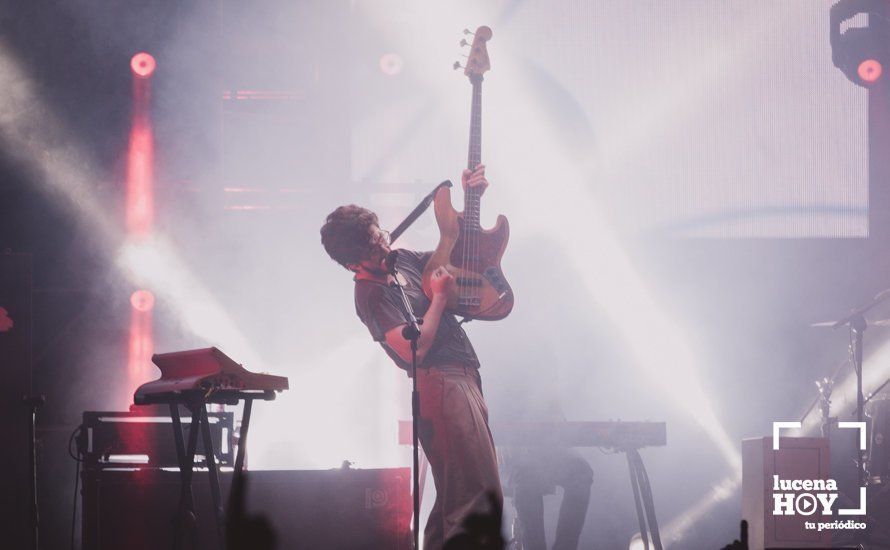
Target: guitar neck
(474, 156)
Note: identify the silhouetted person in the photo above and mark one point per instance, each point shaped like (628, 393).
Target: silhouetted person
(740, 544)
(244, 532)
(534, 473)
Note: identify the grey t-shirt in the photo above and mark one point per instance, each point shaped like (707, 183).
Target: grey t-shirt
(380, 308)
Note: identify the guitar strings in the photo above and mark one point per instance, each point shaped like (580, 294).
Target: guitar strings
(468, 207)
(468, 297)
(468, 201)
(477, 193)
(465, 218)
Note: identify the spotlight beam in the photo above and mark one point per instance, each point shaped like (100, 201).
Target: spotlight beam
(40, 141)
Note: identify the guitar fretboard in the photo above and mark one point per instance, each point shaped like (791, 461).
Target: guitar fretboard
(474, 157)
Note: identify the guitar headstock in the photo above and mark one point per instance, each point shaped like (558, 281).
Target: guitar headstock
(477, 60)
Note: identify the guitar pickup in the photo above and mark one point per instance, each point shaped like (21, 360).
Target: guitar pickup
(469, 281)
(496, 278)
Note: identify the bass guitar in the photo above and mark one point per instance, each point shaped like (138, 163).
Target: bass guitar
(472, 254)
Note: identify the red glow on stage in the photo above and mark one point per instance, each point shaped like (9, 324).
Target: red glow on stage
(142, 300)
(870, 71)
(141, 344)
(143, 64)
(139, 216)
(140, 172)
(140, 162)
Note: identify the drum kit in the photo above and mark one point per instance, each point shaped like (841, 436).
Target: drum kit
(873, 464)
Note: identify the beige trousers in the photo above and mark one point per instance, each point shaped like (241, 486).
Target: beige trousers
(458, 444)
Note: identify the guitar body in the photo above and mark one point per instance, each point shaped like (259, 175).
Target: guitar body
(473, 257)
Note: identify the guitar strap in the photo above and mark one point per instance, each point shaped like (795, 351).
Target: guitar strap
(418, 210)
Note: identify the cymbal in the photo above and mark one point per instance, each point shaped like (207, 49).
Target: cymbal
(829, 324)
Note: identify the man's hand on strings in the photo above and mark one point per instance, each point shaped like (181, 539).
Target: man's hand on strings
(475, 179)
(441, 281)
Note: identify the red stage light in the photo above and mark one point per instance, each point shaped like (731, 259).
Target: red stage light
(140, 215)
(142, 300)
(141, 341)
(140, 348)
(140, 177)
(143, 64)
(870, 71)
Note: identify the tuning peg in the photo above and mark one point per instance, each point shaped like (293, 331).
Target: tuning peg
(464, 43)
(467, 31)
(457, 65)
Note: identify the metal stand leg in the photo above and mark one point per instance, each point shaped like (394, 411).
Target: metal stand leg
(210, 458)
(242, 437)
(177, 434)
(34, 403)
(643, 493)
(635, 485)
(185, 520)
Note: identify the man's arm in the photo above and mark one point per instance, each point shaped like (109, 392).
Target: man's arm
(440, 284)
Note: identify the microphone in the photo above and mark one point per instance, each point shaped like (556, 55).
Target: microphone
(390, 261)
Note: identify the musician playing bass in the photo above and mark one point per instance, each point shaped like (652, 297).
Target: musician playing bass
(454, 429)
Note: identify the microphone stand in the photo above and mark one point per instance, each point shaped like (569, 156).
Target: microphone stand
(857, 323)
(34, 402)
(825, 386)
(877, 391)
(411, 332)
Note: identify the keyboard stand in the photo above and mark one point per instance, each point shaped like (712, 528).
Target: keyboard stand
(639, 481)
(196, 402)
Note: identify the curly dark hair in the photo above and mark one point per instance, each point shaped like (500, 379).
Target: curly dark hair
(345, 234)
